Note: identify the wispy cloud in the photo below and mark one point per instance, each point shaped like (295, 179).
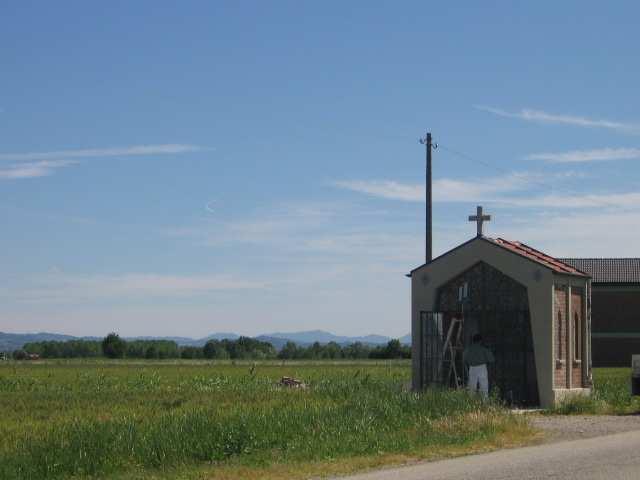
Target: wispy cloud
(391, 247)
(41, 164)
(595, 155)
(135, 150)
(304, 233)
(560, 119)
(388, 189)
(444, 190)
(33, 169)
(59, 286)
(584, 234)
(270, 225)
(626, 200)
(515, 190)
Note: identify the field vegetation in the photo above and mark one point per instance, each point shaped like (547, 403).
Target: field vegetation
(611, 395)
(190, 419)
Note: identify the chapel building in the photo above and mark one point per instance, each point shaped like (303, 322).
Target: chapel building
(532, 310)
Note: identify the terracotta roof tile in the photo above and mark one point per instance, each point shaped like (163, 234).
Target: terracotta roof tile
(538, 256)
(519, 248)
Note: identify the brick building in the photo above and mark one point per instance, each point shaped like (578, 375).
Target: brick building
(531, 309)
(615, 307)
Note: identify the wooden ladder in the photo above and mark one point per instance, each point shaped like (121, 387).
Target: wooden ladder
(453, 346)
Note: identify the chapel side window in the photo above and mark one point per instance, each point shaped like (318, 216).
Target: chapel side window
(577, 337)
(559, 335)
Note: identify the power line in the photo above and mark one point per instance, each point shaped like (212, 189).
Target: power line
(545, 186)
(473, 160)
(489, 165)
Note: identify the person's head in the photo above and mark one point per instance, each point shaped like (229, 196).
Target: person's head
(477, 338)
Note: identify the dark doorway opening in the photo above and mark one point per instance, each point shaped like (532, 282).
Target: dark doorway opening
(497, 307)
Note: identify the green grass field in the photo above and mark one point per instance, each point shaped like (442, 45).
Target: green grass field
(148, 420)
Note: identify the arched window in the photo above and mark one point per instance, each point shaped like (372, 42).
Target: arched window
(577, 337)
(560, 340)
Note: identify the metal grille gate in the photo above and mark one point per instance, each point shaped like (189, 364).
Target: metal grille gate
(507, 333)
(436, 366)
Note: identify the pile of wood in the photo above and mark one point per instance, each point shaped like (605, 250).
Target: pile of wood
(292, 383)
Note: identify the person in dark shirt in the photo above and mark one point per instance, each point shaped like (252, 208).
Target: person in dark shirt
(476, 357)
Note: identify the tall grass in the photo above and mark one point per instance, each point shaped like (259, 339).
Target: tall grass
(75, 420)
(611, 395)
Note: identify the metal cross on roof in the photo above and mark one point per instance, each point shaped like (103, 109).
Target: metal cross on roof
(479, 218)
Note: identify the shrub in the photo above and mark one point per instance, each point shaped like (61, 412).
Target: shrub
(19, 355)
(113, 346)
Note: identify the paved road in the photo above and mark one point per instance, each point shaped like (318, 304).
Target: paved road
(610, 457)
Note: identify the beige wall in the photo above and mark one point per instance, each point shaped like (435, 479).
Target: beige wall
(539, 281)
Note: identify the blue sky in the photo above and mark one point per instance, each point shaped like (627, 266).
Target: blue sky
(186, 168)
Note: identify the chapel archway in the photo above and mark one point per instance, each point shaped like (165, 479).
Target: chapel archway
(497, 307)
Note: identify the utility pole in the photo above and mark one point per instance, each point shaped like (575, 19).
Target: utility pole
(428, 200)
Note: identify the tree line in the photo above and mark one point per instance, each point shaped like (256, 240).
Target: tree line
(335, 351)
(244, 348)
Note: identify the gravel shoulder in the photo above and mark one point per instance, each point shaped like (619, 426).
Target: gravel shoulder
(559, 428)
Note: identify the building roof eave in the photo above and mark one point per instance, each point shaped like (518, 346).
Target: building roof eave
(443, 255)
(556, 266)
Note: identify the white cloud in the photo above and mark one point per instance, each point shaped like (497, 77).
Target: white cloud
(389, 189)
(580, 234)
(444, 190)
(58, 286)
(448, 190)
(619, 201)
(33, 169)
(515, 190)
(375, 245)
(135, 150)
(596, 155)
(40, 164)
(271, 231)
(318, 234)
(605, 200)
(552, 118)
(284, 224)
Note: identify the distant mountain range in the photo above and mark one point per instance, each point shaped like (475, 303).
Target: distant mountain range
(187, 341)
(14, 341)
(325, 337)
